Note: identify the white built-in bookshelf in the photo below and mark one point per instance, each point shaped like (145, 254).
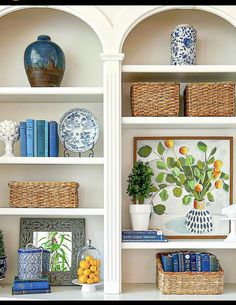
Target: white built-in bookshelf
(107, 49)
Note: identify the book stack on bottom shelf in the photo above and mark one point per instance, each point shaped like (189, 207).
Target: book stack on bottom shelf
(143, 236)
(39, 285)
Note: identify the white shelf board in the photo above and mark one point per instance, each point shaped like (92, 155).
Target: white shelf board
(181, 244)
(151, 292)
(51, 211)
(183, 73)
(179, 122)
(129, 292)
(51, 94)
(52, 160)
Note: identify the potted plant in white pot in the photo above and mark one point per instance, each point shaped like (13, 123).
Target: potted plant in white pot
(140, 188)
(3, 258)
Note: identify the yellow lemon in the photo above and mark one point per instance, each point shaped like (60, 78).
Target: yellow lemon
(216, 173)
(218, 184)
(98, 262)
(169, 143)
(92, 275)
(80, 271)
(90, 281)
(87, 271)
(88, 258)
(198, 188)
(84, 264)
(92, 262)
(96, 279)
(93, 268)
(183, 150)
(83, 279)
(218, 164)
(96, 272)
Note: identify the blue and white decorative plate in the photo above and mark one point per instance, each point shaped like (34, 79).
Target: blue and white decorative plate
(78, 130)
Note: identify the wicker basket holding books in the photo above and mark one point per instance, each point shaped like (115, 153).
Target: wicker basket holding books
(43, 194)
(155, 99)
(188, 282)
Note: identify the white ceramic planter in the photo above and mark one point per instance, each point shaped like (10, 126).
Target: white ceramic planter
(140, 215)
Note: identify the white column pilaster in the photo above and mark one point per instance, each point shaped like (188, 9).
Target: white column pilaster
(112, 171)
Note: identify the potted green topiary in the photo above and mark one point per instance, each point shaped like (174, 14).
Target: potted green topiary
(3, 258)
(140, 188)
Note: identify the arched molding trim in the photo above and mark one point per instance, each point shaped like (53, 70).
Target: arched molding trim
(133, 16)
(89, 14)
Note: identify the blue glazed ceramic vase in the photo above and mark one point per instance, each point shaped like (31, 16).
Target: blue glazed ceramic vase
(44, 63)
(183, 45)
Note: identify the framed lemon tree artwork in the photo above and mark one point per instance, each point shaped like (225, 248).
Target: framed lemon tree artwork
(193, 181)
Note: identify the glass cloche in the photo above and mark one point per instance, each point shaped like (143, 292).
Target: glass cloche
(88, 264)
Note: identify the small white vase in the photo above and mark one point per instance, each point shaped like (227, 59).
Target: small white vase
(140, 215)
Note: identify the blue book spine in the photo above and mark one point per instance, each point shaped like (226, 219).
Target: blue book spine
(53, 139)
(30, 137)
(143, 237)
(181, 261)
(136, 232)
(35, 139)
(23, 143)
(186, 261)
(43, 278)
(46, 139)
(30, 285)
(31, 291)
(199, 261)
(193, 261)
(205, 262)
(41, 138)
(167, 263)
(175, 262)
(214, 263)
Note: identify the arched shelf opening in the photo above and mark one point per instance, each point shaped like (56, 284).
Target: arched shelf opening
(77, 39)
(149, 41)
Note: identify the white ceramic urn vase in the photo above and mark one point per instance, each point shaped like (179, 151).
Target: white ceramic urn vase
(140, 215)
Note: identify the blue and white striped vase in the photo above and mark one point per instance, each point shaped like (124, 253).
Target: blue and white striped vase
(183, 45)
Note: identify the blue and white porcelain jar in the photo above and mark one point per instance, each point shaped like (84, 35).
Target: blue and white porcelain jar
(183, 45)
(32, 262)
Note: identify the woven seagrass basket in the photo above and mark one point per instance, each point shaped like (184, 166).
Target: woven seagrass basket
(188, 282)
(43, 194)
(210, 99)
(155, 99)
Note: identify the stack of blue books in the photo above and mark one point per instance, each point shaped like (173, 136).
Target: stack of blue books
(40, 285)
(39, 138)
(143, 236)
(194, 261)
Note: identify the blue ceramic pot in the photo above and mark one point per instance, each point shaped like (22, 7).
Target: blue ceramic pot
(44, 63)
(183, 45)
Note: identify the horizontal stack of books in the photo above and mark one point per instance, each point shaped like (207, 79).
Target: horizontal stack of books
(194, 261)
(40, 285)
(39, 138)
(143, 236)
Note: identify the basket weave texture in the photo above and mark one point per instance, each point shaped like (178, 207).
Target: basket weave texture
(155, 99)
(210, 99)
(188, 282)
(43, 194)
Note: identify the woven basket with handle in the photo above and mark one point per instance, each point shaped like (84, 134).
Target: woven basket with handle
(188, 282)
(43, 194)
(210, 99)
(154, 99)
